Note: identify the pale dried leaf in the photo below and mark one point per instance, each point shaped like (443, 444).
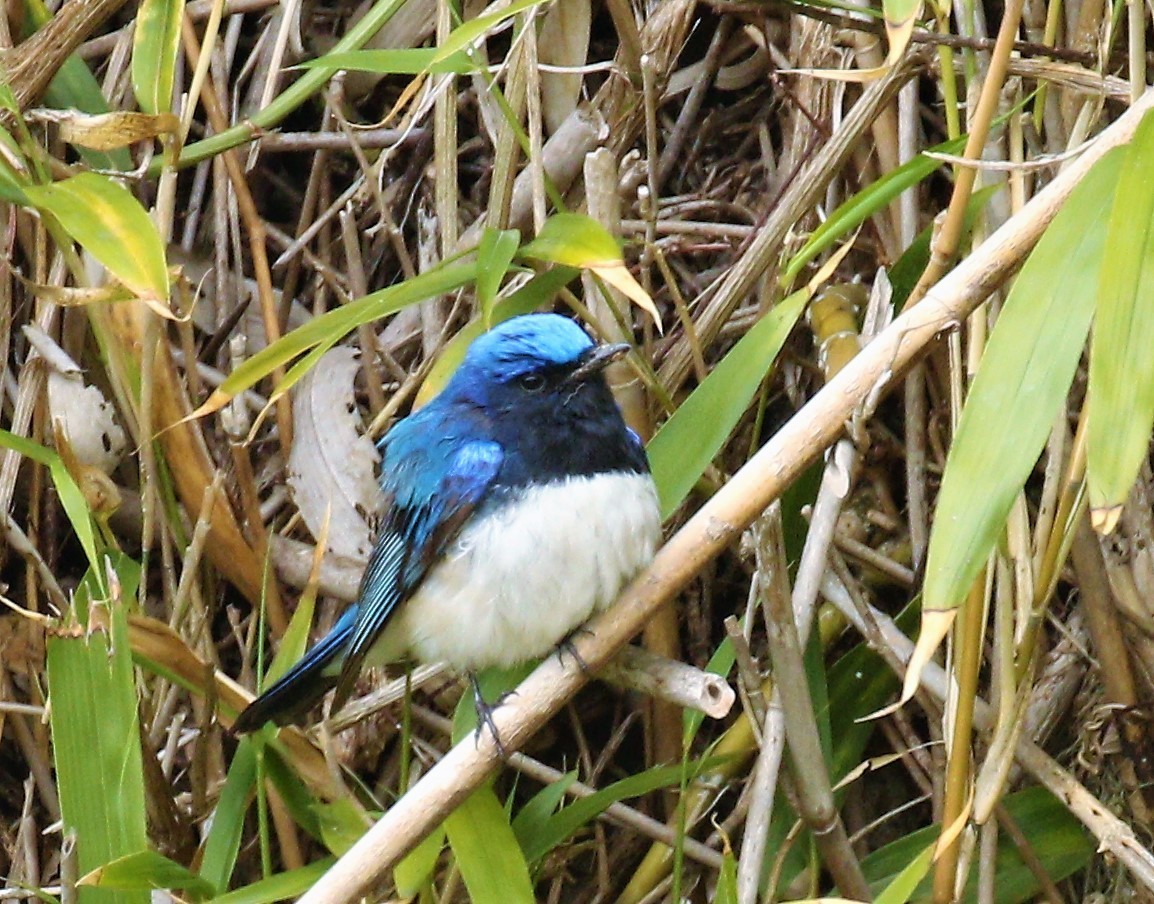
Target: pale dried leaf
(86, 417)
(563, 41)
(332, 464)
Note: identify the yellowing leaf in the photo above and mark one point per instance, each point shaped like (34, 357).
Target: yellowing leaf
(622, 280)
(107, 131)
(110, 224)
(579, 241)
(935, 626)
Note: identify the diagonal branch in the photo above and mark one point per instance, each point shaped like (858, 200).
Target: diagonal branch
(713, 528)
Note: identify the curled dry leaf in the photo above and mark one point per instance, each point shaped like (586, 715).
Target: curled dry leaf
(81, 412)
(332, 463)
(108, 131)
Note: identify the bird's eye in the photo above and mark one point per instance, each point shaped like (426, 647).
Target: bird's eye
(531, 382)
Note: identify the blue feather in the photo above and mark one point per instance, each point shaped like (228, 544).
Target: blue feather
(528, 407)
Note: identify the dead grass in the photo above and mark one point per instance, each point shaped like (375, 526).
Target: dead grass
(722, 161)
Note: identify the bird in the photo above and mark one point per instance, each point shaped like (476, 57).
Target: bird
(517, 503)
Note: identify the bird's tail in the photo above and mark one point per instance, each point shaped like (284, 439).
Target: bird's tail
(303, 686)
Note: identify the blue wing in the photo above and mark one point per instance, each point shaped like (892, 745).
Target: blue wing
(434, 479)
(434, 487)
(303, 685)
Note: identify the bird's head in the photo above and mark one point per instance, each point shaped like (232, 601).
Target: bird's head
(530, 357)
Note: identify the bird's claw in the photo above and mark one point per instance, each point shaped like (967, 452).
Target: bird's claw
(485, 716)
(567, 647)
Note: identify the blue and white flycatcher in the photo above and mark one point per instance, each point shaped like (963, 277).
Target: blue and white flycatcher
(517, 504)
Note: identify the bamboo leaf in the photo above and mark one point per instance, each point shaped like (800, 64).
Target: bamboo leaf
(401, 61)
(96, 738)
(491, 862)
(281, 887)
(415, 870)
(71, 496)
(1121, 393)
(324, 331)
(569, 819)
(154, 47)
(1057, 840)
(685, 444)
(472, 31)
(905, 883)
(1019, 389)
(223, 842)
(575, 240)
(494, 255)
(144, 871)
(111, 225)
(867, 202)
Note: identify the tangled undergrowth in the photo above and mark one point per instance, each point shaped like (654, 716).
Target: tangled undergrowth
(272, 231)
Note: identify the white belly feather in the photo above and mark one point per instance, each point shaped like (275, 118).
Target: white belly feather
(518, 580)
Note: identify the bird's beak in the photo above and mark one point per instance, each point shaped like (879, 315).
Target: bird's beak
(596, 360)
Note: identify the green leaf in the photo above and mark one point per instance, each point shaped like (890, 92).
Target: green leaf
(574, 240)
(111, 225)
(341, 824)
(491, 862)
(1056, 838)
(96, 741)
(155, 44)
(292, 97)
(726, 891)
(494, 255)
(294, 642)
(473, 30)
(564, 823)
(281, 887)
(227, 826)
(1020, 388)
(144, 871)
(1121, 392)
(416, 869)
(329, 328)
(540, 808)
(12, 181)
(684, 446)
(71, 497)
(406, 61)
(301, 803)
(905, 883)
(873, 199)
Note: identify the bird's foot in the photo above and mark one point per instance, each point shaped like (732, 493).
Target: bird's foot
(485, 712)
(566, 647)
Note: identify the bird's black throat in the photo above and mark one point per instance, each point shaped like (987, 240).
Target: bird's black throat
(568, 431)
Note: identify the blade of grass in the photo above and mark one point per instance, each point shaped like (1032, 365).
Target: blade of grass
(96, 739)
(491, 862)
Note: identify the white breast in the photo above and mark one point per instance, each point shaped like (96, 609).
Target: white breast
(520, 579)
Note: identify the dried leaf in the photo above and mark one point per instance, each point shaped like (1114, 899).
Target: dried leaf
(332, 463)
(563, 41)
(81, 412)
